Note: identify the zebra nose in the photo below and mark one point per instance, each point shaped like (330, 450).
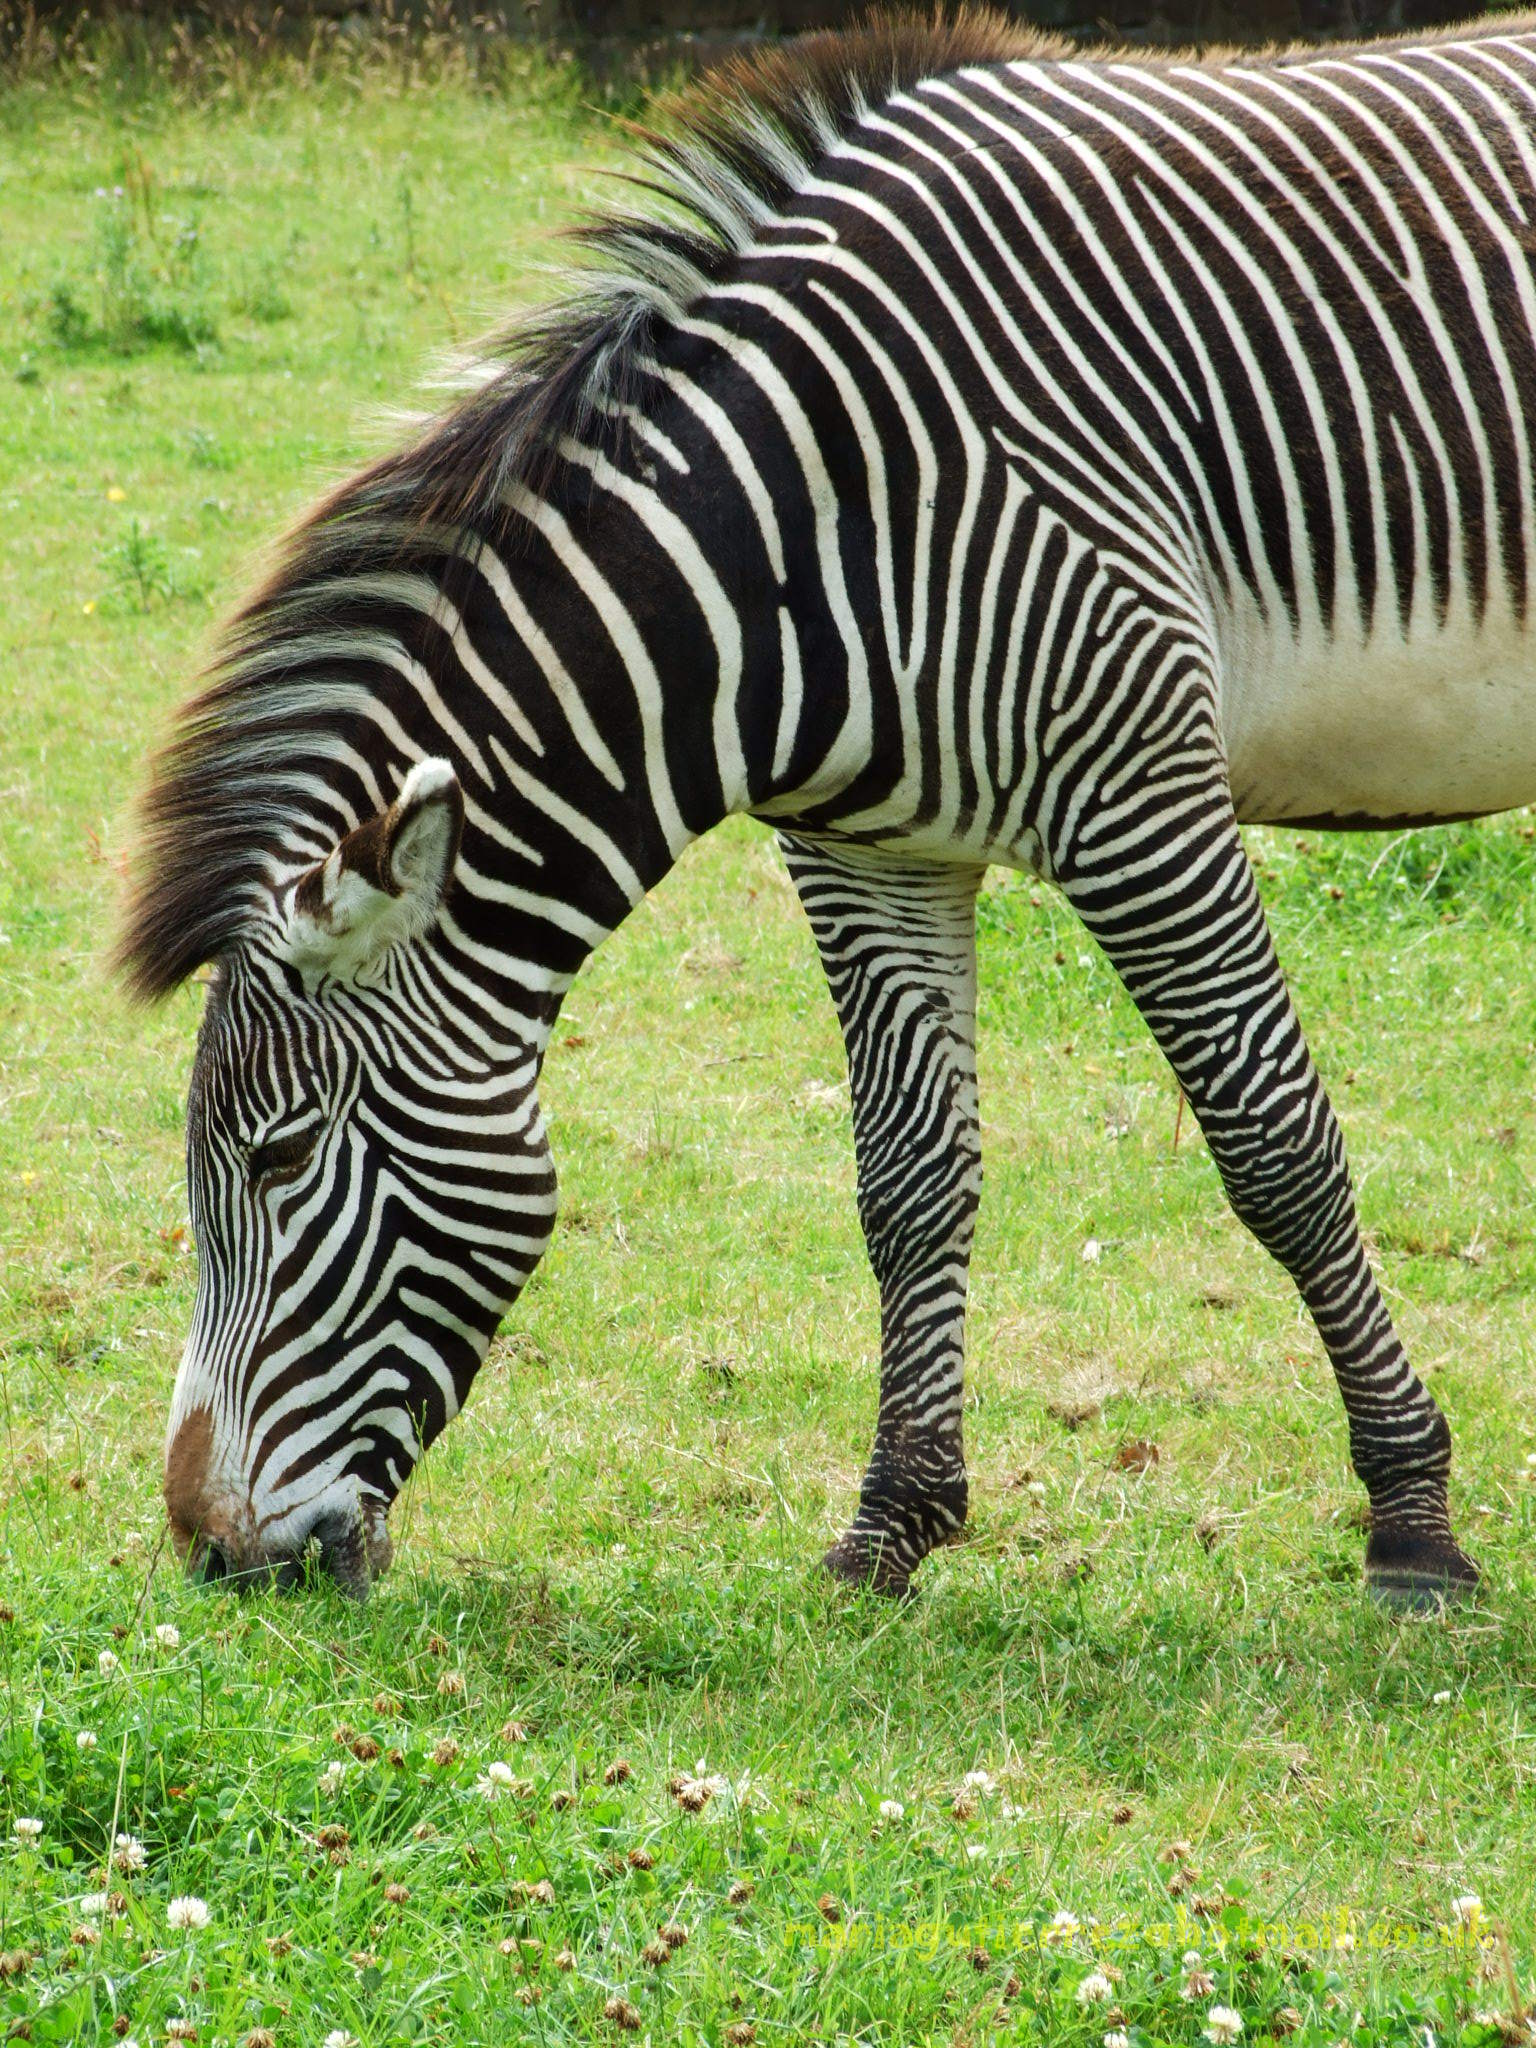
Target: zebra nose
(332, 1552)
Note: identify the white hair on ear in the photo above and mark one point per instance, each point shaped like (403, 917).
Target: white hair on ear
(383, 885)
(421, 849)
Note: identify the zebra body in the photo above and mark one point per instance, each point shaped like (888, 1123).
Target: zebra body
(1024, 459)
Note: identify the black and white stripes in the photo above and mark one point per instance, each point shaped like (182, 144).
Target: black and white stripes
(994, 456)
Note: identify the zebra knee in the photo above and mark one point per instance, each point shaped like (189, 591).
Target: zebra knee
(918, 1195)
(911, 1229)
(1291, 1190)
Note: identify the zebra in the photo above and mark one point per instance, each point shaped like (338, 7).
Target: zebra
(979, 453)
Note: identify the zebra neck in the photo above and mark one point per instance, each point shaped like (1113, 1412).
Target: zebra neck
(626, 669)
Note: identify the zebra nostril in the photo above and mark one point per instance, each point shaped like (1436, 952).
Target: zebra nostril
(208, 1564)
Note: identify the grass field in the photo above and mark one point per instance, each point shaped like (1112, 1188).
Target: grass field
(205, 300)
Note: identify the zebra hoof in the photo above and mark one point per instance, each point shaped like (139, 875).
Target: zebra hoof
(859, 1560)
(1416, 1574)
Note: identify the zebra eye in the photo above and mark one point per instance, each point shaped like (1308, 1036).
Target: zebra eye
(278, 1156)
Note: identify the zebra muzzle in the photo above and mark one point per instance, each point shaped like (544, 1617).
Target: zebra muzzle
(347, 1547)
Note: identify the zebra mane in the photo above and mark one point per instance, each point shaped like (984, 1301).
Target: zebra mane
(731, 154)
(724, 161)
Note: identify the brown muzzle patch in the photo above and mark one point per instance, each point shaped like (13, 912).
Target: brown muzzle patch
(187, 1460)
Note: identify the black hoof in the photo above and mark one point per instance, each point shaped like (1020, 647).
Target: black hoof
(1415, 1573)
(859, 1560)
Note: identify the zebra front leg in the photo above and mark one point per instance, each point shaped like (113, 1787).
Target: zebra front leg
(898, 943)
(1174, 905)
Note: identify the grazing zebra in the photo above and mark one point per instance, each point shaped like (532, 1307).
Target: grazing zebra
(983, 454)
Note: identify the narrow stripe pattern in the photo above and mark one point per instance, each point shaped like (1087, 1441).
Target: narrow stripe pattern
(998, 456)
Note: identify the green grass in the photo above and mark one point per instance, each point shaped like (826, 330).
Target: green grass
(613, 1546)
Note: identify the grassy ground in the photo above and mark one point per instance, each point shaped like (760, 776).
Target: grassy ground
(608, 1556)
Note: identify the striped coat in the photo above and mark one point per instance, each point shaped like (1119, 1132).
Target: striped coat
(987, 454)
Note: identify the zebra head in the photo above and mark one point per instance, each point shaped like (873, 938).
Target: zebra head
(370, 1185)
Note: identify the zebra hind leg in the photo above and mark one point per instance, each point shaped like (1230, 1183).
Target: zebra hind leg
(1174, 905)
(897, 941)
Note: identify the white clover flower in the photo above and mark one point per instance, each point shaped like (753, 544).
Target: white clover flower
(1191, 1959)
(26, 1830)
(93, 1905)
(168, 1635)
(85, 1739)
(128, 1853)
(1441, 1699)
(1117, 2038)
(1064, 1927)
(187, 1912)
(892, 1809)
(1466, 1910)
(108, 1662)
(1009, 1811)
(1222, 2026)
(1095, 1989)
(974, 1851)
(338, 2037)
(979, 1781)
(330, 1779)
(495, 1779)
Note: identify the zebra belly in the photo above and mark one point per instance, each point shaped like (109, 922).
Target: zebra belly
(1359, 731)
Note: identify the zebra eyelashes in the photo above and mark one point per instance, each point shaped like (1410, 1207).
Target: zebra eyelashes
(277, 1158)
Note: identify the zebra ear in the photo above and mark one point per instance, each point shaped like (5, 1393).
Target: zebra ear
(383, 885)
